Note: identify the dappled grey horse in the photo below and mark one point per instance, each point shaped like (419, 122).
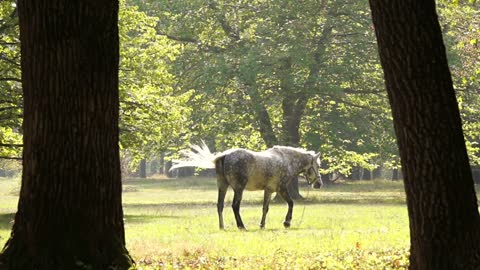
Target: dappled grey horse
(270, 170)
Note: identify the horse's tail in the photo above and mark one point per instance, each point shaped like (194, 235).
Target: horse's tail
(198, 156)
(220, 169)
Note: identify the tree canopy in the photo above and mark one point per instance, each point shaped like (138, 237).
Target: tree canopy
(254, 74)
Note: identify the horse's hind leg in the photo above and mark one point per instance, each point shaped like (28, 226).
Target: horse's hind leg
(222, 191)
(284, 194)
(222, 185)
(237, 198)
(267, 195)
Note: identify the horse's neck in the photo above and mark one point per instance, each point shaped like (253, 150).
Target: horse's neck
(298, 160)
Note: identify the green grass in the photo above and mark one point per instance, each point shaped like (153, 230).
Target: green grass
(172, 224)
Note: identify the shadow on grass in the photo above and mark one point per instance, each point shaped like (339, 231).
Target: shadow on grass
(196, 183)
(281, 230)
(307, 201)
(353, 201)
(6, 221)
(186, 205)
(209, 183)
(147, 218)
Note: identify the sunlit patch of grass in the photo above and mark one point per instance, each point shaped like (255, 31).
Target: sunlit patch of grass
(9, 190)
(337, 227)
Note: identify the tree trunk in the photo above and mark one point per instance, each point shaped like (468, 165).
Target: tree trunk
(261, 114)
(441, 199)
(355, 174)
(292, 108)
(168, 165)
(476, 175)
(377, 173)
(70, 209)
(293, 189)
(142, 170)
(326, 178)
(367, 174)
(161, 167)
(265, 125)
(395, 176)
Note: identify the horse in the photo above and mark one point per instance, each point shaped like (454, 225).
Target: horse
(270, 170)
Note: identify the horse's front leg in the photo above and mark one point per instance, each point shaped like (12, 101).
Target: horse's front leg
(237, 198)
(267, 195)
(283, 191)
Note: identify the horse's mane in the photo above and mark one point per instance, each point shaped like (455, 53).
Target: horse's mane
(293, 149)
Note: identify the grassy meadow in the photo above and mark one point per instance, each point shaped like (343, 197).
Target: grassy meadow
(172, 224)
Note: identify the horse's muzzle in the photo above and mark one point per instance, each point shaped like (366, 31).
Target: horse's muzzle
(318, 183)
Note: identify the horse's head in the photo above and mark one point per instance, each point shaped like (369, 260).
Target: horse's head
(312, 171)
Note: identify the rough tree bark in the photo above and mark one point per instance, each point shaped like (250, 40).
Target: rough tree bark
(442, 204)
(70, 211)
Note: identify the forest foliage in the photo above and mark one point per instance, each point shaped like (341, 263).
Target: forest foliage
(254, 74)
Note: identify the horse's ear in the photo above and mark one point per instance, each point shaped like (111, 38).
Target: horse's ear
(317, 156)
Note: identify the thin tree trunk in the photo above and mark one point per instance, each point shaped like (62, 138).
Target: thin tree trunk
(441, 199)
(161, 167)
(367, 174)
(395, 175)
(355, 174)
(291, 122)
(70, 209)
(377, 173)
(261, 114)
(169, 173)
(326, 178)
(142, 170)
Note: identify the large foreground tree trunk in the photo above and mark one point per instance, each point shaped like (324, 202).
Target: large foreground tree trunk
(70, 210)
(442, 205)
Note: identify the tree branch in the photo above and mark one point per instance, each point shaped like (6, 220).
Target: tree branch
(8, 108)
(11, 116)
(10, 158)
(361, 92)
(10, 61)
(191, 40)
(227, 28)
(4, 26)
(346, 34)
(10, 145)
(339, 100)
(10, 79)
(177, 38)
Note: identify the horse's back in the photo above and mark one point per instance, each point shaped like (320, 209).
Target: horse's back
(250, 170)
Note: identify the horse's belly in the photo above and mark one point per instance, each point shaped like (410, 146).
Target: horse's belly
(254, 185)
(261, 184)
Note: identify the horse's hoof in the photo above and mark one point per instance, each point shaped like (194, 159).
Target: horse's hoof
(242, 228)
(262, 227)
(286, 224)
